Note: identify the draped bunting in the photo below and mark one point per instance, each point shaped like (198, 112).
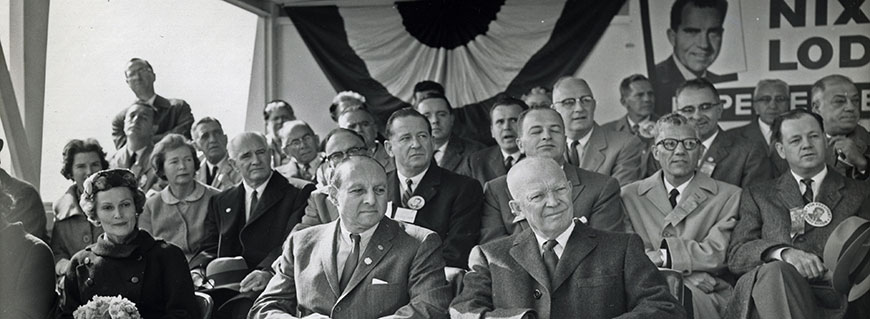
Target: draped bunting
(475, 48)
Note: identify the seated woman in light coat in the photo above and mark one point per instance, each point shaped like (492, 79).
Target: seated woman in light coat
(72, 230)
(125, 260)
(177, 213)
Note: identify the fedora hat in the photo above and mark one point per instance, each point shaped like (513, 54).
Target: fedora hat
(846, 255)
(226, 272)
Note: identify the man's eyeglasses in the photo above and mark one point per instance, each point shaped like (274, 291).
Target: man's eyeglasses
(298, 142)
(586, 100)
(767, 99)
(689, 109)
(339, 156)
(671, 143)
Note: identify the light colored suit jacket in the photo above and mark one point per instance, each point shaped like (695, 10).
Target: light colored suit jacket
(145, 175)
(400, 274)
(615, 154)
(226, 176)
(319, 210)
(600, 275)
(696, 232)
(595, 197)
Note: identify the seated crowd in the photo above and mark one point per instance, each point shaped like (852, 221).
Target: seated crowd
(648, 216)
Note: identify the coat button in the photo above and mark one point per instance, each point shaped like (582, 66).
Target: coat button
(538, 294)
(89, 282)
(87, 260)
(86, 239)
(337, 308)
(134, 280)
(667, 234)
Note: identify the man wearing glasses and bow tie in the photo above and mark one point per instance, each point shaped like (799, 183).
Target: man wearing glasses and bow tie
(731, 160)
(684, 218)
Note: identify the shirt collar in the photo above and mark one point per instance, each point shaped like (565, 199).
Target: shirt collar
(709, 141)
(414, 179)
(364, 236)
(561, 240)
(688, 75)
(765, 130)
(583, 140)
(260, 189)
(515, 155)
(195, 195)
(443, 147)
(680, 188)
(150, 101)
(817, 179)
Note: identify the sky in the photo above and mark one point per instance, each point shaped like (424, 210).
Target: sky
(201, 51)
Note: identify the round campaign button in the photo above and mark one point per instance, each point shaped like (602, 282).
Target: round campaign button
(817, 214)
(416, 202)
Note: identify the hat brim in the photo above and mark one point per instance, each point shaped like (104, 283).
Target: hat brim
(849, 262)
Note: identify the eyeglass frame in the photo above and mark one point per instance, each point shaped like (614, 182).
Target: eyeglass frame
(679, 142)
(308, 137)
(584, 101)
(767, 99)
(339, 156)
(703, 107)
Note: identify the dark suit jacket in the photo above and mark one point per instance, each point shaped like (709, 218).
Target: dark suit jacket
(738, 162)
(600, 275)
(483, 165)
(862, 141)
(457, 148)
(596, 197)
(764, 224)
(259, 240)
(27, 207)
(173, 116)
(404, 257)
(752, 133)
(668, 78)
(452, 210)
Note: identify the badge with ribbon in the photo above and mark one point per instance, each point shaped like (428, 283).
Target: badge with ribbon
(708, 166)
(817, 214)
(797, 221)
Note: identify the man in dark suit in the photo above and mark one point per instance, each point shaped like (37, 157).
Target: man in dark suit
(590, 146)
(253, 218)
(208, 134)
(170, 115)
(27, 207)
(637, 96)
(450, 148)
(427, 195)
(734, 161)
(595, 197)
(783, 275)
(696, 36)
(362, 265)
(838, 101)
(135, 154)
(771, 98)
(559, 268)
(494, 161)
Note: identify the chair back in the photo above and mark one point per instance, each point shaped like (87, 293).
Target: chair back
(205, 303)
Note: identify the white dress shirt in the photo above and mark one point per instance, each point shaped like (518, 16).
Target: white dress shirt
(561, 241)
(250, 190)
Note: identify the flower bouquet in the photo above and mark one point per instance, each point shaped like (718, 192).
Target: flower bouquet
(647, 129)
(101, 307)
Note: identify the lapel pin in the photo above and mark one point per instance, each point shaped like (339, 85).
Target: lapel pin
(416, 202)
(380, 247)
(368, 261)
(229, 210)
(817, 214)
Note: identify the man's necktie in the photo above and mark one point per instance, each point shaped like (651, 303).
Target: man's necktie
(304, 173)
(132, 160)
(550, 258)
(210, 174)
(508, 163)
(808, 193)
(350, 263)
(634, 129)
(253, 205)
(573, 155)
(673, 197)
(407, 193)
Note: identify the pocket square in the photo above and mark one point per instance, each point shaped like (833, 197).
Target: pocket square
(376, 281)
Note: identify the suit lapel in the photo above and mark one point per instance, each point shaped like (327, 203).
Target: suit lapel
(395, 192)
(696, 194)
(578, 247)
(453, 153)
(574, 178)
(593, 155)
(378, 247)
(788, 191)
(325, 251)
(653, 188)
(272, 194)
(719, 149)
(496, 162)
(830, 192)
(430, 183)
(525, 251)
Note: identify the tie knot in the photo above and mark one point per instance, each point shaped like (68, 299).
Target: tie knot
(409, 183)
(808, 182)
(548, 245)
(354, 238)
(575, 143)
(254, 194)
(674, 192)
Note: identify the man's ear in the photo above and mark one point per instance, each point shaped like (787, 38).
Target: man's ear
(780, 149)
(233, 164)
(672, 36)
(389, 148)
(516, 208)
(332, 193)
(520, 146)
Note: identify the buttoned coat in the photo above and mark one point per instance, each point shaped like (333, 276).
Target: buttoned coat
(178, 221)
(72, 230)
(225, 178)
(151, 273)
(600, 275)
(400, 274)
(752, 132)
(484, 165)
(737, 162)
(171, 116)
(764, 223)
(145, 174)
(615, 154)
(318, 211)
(452, 209)
(258, 240)
(595, 197)
(457, 148)
(27, 207)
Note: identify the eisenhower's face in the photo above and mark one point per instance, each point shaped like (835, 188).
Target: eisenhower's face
(702, 107)
(640, 100)
(574, 101)
(211, 140)
(300, 143)
(252, 159)
(678, 162)
(438, 113)
(410, 143)
(544, 199)
(362, 197)
(504, 126)
(770, 101)
(361, 122)
(803, 144)
(139, 121)
(698, 40)
(543, 135)
(839, 107)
